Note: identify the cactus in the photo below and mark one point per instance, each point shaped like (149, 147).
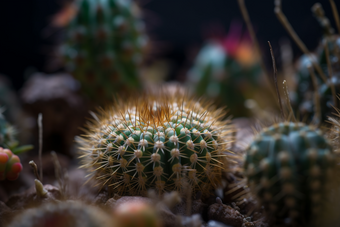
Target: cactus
(9, 99)
(7, 132)
(137, 213)
(328, 61)
(10, 165)
(227, 71)
(103, 47)
(66, 213)
(289, 167)
(151, 141)
(7, 137)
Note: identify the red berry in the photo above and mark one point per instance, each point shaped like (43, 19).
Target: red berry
(8, 152)
(3, 158)
(16, 167)
(12, 176)
(2, 176)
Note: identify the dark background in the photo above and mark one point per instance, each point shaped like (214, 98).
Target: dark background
(178, 28)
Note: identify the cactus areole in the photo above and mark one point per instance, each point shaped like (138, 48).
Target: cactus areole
(289, 167)
(156, 142)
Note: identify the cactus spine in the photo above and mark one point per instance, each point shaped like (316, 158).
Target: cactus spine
(147, 143)
(103, 47)
(289, 167)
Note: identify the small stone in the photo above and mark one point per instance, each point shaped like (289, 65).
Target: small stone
(216, 224)
(248, 224)
(225, 214)
(197, 207)
(261, 223)
(102, 197)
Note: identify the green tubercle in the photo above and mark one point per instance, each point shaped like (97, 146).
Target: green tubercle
(289, 167)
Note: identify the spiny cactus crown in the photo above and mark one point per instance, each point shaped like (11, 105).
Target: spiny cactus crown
(66, 213)
(147, 144)
(289, 166)
(103, 47)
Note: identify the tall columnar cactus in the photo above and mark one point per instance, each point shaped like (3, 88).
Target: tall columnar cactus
(10, 165)
(153, 141)
(66, 213)
(103, 47)
(289, 167)
(227, 71)
(327, 58)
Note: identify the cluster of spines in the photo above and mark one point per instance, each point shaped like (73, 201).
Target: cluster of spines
(104, 46)
(156, 146)
(289, 167)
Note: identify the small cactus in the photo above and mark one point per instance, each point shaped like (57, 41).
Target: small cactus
(227, 71)
(7, 137)
(10, 165)
(66, 213)
(103, 47)
(327, 75)
(7, 132)
(289, 167)
(137, 213)
(151, 142)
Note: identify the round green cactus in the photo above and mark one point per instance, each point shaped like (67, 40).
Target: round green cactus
(66, 213)
(10, 165)
(289, 167)
(103, 47)
(153, 142)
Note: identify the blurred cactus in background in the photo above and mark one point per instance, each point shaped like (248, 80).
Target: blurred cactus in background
(66, 213)
(324, 65)
(290, 168)
(8, 100)
(7, 137)
(137, 213)
(227, 71)
(103, 48)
